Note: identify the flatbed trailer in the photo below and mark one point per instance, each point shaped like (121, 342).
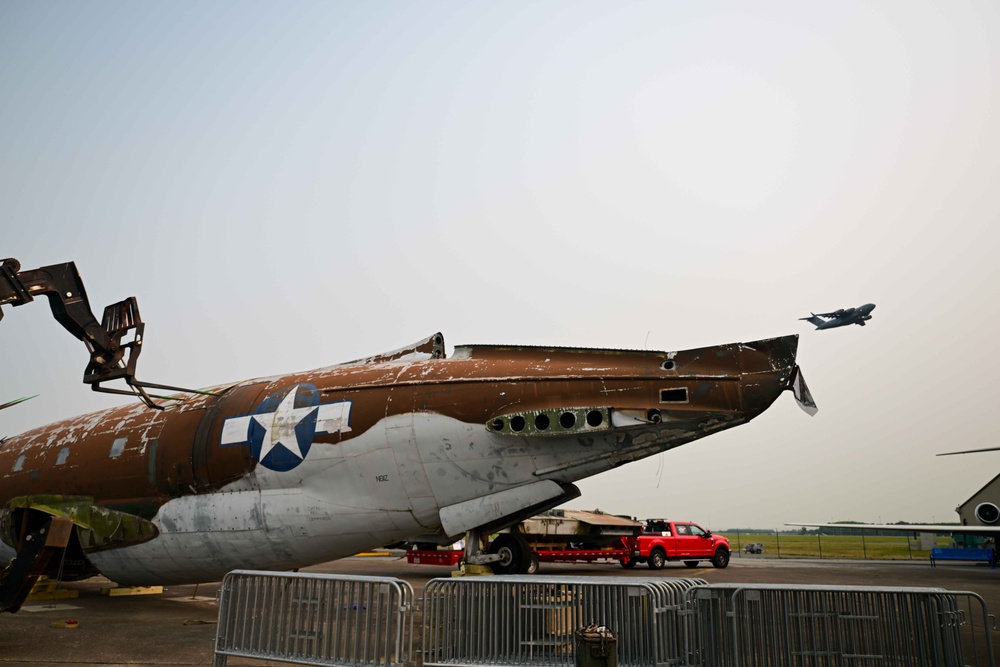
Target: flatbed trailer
(582, 555)
(454, 556)
(560, 536)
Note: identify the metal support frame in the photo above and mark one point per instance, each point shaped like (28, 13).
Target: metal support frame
(531, 620)
(38, 544)
(112, 355)
(315, 619)
(518, 620)
(774, 624)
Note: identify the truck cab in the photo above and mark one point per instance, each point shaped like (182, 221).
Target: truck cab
(662, 540)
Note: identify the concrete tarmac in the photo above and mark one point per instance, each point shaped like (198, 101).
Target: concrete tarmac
(177, 627)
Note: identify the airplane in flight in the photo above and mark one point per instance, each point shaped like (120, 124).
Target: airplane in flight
(842, 317)
(283, 472)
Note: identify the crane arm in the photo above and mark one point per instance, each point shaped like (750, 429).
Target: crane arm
(112, 355)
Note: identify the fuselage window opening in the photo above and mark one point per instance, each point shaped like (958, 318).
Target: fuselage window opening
(679, 395)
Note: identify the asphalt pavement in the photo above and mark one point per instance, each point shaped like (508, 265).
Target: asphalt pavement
(177, 627)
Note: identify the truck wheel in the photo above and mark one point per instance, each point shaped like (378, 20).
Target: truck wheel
(721, 557)
(657, 559)
(628, 563)
(514, 552)
(691, 563)
(533, 564)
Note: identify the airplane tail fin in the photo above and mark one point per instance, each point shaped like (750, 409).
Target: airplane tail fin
(813, 320)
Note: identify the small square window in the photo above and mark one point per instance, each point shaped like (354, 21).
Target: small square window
(679, 395)
(117, 448)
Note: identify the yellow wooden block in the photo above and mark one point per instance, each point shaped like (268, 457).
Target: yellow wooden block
(132, 590)
(52, 594)
(44, 586)
(468, 570)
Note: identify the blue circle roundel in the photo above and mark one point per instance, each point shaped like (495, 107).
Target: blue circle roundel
(281, 431)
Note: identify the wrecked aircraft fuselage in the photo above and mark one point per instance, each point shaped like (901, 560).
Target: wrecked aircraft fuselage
(284, 472)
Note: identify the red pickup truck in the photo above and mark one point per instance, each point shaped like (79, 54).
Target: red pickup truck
(662, 540)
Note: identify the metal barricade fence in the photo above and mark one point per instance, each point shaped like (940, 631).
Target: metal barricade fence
(735, 624)
(522, 620)
(314, 619)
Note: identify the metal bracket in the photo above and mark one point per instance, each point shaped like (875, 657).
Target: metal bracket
(110, 357)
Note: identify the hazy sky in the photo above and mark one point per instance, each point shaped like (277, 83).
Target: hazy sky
(288, 185)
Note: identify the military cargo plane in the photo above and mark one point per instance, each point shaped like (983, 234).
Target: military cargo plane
(842, 317)
(284, 472)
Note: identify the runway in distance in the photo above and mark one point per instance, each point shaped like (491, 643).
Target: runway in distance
(842, 317)
(284, 472)
(980, 514)
(985, 531)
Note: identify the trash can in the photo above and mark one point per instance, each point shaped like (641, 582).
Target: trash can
(596, 646)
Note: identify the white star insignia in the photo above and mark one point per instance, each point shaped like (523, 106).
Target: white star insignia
(279, 426)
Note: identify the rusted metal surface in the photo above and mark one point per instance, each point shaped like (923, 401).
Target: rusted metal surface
(362, 454)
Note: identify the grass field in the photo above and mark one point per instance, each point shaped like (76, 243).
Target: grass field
(833, 546)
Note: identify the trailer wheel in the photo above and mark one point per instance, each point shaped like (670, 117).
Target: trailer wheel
(721, 557)
(657, 559)
(629, 563)
(514, 552)
(533, 564)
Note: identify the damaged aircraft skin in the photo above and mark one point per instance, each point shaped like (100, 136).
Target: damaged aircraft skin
(285, 472)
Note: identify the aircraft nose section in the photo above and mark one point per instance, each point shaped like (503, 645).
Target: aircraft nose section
(766, 369)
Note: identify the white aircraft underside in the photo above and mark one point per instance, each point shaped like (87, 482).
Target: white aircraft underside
(418, 472)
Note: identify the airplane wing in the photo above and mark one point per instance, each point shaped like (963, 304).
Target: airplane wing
(909, 528)
(972, 451)
(840, 312)
(16, 401)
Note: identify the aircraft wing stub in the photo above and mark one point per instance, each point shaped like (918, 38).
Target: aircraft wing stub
(16, 401)
(970, 451)
(431, 347)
